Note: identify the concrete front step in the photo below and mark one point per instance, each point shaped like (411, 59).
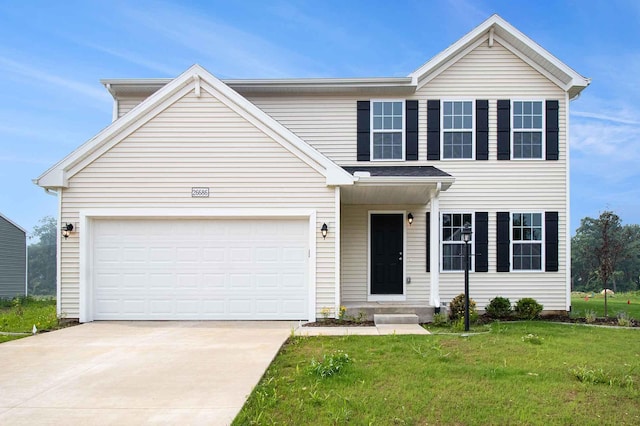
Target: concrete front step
(395, 319)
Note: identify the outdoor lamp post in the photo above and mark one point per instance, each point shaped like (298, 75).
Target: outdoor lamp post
(466, 237)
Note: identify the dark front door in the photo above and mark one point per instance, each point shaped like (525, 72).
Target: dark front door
(386, 254)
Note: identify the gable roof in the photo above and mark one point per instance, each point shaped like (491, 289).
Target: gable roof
(493, 29)
(196, 78)
(13, 223)
(496, 28)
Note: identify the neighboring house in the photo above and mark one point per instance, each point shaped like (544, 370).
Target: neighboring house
(13, 259)
(207, 199)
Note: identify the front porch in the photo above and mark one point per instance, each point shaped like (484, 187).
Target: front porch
(386, 244)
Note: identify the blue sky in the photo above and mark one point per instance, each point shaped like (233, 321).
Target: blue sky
(52, 55)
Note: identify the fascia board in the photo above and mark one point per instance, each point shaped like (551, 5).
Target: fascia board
(533, 64)
(405, 181)
(57, 176)
(575, 77)
(440, 68)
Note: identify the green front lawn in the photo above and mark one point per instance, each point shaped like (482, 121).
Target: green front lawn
(516, 373)
(621, 302)
(19, 316)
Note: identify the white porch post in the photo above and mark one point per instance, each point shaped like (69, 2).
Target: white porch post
(434, 246)
(337, 251)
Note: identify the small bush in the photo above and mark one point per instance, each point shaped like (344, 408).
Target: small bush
(456, 308)
(439, 319)
(528, 308)
(330, 365)
(623, 319)
(590, 316)
(534, 339)
(500, 307)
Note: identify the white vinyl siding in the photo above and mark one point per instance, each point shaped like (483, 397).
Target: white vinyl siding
(127, 104)
(198, 142)
(328, 123)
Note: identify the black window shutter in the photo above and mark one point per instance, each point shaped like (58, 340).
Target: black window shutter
(412, 130)
(428, 242)
(502, 239)
(552, 130)
(482, 242)
(551, 241)
(504, 129)
(482, 130)
(433, 129)
(364, 131)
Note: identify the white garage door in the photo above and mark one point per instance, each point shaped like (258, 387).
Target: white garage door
(200, 269)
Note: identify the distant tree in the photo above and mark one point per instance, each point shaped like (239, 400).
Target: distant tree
(610, 248)
(42, 257)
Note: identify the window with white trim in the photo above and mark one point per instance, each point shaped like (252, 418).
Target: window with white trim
(526, 241)
(387, 138)
(527, 129)
(457, 129)
(452, 242)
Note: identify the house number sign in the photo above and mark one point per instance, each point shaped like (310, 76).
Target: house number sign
(199, 192)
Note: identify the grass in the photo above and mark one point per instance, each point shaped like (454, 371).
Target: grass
(21, 314)
(616, 303)
(517, 373)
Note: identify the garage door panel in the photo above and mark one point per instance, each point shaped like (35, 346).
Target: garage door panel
(200, 269)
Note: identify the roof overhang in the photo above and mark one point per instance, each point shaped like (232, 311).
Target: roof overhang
(497, 29)
(395, 185)
(134, 88)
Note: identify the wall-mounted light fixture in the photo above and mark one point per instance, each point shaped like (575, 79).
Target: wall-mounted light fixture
(324, 230)
(410, 218)
(66, 230)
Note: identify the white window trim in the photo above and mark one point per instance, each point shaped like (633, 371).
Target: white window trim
(382, 297)
(473, 128)
(543, 130)
(404, 130)
(542, 242)
(471, 242)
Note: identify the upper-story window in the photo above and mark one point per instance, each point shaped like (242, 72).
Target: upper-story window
(388, 130)
(527, 129)
(457, 129)
(526, 241)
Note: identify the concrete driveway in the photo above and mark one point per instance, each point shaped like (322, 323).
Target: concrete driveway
(136, 372)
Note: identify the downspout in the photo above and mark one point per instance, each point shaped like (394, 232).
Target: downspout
(58, 249)
(434, 245)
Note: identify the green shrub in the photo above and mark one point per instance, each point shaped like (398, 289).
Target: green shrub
(456, 308)
(590, 316)
(499, 307)
(528, 308)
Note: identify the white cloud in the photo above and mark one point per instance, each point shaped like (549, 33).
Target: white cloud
(238, 52)
(23, 70)
(133, 58)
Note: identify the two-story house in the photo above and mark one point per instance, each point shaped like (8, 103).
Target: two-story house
(276, 199)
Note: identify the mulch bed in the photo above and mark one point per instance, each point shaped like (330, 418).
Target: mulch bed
(332, 322)
(483, 319)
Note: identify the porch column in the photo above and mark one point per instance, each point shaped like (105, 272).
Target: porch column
(434, 246)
